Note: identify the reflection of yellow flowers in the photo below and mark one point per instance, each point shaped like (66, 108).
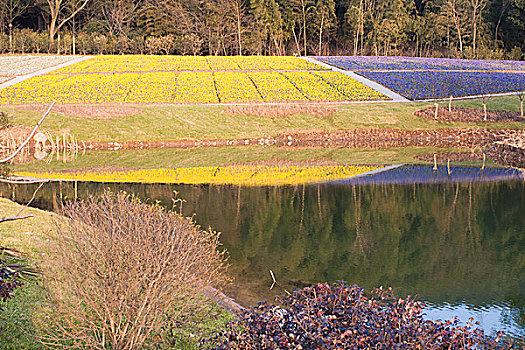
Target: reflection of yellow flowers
(188, 80)
(235, 175)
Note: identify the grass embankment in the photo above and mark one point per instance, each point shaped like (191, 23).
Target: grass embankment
(171, 122)
(24, 316)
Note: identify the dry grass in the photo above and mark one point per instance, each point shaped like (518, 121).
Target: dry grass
(279, 111)
(86, 110)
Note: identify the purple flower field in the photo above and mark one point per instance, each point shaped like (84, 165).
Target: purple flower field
(412, 63)
(430, 78)
(420, 85)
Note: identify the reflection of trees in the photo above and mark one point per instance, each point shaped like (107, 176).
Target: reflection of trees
(440, 241)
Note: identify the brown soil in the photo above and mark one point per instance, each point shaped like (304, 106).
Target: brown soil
(507, 155)
(468, 115)
(279, 111)
(470, 138)
(95, 111)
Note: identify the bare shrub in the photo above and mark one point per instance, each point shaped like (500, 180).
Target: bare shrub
(279, 111)
(121, 273)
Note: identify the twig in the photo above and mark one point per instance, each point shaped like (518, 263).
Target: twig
(273, 278)
(17, 216)
(29, 137)
(23, 182)
(13, 218)
(30, 201)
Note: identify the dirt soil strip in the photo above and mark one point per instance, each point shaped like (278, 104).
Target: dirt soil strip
(22, 78)
(371, 84)
(471, 138)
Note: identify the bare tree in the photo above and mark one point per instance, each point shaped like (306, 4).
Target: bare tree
(57, 8)
(505, 5)
(118, 15)
(11, 10)
(477, 7)
(455, 10)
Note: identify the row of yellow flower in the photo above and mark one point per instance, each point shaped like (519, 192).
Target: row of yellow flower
(189, 87)
(185, 63)
(234, 175)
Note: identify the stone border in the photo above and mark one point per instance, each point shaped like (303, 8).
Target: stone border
(22, 78)
(371, 84)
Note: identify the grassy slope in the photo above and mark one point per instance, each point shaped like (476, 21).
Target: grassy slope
(19, 321)
(24, 314)
(165, 122)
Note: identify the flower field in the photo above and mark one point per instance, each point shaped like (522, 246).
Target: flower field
(411, 174)
(121, 63)
(417, 85)
(421, 63)
(230, 175)
(188, 80)
(429, 78)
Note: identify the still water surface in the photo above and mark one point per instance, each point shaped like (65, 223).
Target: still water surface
(458, 245)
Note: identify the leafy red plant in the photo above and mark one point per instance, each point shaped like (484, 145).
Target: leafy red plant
(8, 283)
(340, 316)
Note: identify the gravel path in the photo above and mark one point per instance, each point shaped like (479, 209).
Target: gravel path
(26, 67)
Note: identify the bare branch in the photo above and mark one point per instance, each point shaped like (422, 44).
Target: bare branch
(13, 218)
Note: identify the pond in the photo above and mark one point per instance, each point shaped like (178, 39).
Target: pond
(454, 237)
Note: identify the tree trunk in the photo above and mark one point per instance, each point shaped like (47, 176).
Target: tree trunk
(304, 25)
(239, 28)
(474, 30)
(521, 104)
(484, 109)
(321, 36)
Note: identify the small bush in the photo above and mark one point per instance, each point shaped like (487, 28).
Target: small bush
(121, 273)
(343, 317)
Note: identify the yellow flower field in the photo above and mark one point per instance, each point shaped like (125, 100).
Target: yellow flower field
(231, 175)
(145, 63)
(188, 80)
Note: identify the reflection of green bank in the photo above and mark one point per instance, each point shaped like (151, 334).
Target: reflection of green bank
(222, 156)
(444, 242)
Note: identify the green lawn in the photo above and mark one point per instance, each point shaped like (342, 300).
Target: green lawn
(171, 122)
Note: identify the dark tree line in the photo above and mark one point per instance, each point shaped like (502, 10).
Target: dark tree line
(447, 28)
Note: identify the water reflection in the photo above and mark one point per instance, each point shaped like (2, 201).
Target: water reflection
(499, 316)
(460, 246)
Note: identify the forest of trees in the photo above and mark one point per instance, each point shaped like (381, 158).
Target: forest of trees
(441, 28)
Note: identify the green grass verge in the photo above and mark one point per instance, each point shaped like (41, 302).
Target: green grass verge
(223, 156)
(499, 103)
(170, 122)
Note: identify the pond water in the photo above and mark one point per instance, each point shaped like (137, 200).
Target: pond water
(457, 242)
